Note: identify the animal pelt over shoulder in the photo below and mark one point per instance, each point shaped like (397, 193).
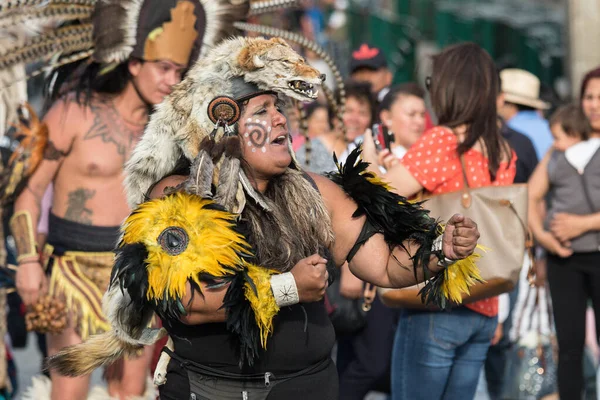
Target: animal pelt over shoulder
(181, 121)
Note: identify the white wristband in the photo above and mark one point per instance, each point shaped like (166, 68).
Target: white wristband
(284, 289)
(438, 246)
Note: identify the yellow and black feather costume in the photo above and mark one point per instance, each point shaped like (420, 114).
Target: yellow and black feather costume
(183, 238)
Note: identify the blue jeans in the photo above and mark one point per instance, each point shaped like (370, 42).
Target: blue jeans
(439, 355)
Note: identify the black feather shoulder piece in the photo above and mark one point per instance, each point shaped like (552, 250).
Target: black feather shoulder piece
(387, 212)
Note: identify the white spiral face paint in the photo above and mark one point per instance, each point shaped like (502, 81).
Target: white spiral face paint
(257, 133)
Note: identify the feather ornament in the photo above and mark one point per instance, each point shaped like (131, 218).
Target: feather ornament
(205, 246)
(220, 16)
(227, 185)
(115, 29)
(15, 5)
(32, 135)
(265, 6)
(202, 169)
(43, 16)
(64, 40)
(448, 286)
(399, 220)
(213, 247)
(258, 292)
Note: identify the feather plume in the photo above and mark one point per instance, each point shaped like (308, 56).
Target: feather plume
(16, 5)
(220, 16)
(43, 16)
(65, 40)
(227, 187)
(115, 28)
(449, 285)
(257, 290)
(201, 172)
(32, 135)
(265, 6)
(14, 94)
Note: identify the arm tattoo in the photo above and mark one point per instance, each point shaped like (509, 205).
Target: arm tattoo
(110, 127)
(76, 210)
(52, 153)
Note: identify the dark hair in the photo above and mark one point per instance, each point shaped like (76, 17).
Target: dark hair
(572, 120)
(521, 107)
(593, 74)
(361, 91)
(84, 79)
(464, 89)
(403, 89)
(310, 109)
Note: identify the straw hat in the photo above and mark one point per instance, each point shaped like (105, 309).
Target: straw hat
(522, 87)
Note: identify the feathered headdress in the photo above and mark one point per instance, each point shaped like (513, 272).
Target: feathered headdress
(53, 33)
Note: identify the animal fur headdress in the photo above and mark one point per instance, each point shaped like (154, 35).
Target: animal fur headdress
(187, 122)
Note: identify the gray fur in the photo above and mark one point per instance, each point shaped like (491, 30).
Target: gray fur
(181, 121)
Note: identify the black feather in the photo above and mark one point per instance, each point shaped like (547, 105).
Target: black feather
(391, 214)
(241, 320)
(129, 272)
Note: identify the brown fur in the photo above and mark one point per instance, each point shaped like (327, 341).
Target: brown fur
(97, 351)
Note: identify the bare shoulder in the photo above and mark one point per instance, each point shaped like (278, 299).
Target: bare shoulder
(333, 196)
(158, 190)
(64, 119)
(325, 185)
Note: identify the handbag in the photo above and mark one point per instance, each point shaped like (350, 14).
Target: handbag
(501, 215)
(348, 316)
(531, 366)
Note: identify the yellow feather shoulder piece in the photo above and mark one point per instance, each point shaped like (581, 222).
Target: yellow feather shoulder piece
(185, 236)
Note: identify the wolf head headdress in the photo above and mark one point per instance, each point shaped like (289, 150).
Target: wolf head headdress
(188, 115)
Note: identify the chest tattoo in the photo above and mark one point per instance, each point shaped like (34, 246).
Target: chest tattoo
(109, 126)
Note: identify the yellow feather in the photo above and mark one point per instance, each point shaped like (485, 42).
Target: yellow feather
(460, 276)
(214, 247)
(262, 301)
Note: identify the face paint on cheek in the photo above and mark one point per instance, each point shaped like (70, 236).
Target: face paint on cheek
(257, 134)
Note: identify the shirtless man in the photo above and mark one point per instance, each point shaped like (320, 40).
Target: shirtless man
(91, 134)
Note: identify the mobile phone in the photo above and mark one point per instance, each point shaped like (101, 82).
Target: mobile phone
(382, 137)
(377, 137)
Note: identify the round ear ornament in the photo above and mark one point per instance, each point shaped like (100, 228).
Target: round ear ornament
(224, 110)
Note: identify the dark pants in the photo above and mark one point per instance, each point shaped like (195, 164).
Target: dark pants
(573, 281)
(495, 363)
(364, 359)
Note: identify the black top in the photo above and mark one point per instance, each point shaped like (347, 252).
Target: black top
(526, 156)
(301, 338)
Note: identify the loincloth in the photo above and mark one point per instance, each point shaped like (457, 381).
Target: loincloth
(79, 277)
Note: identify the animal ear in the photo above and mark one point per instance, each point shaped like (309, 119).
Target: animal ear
(258, 63)
(249, 60)
(280, 41)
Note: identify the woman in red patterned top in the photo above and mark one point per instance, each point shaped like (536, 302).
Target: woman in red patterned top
(439, 355)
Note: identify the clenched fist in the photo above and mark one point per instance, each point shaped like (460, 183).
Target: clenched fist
(460, 237)
(311, 278)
